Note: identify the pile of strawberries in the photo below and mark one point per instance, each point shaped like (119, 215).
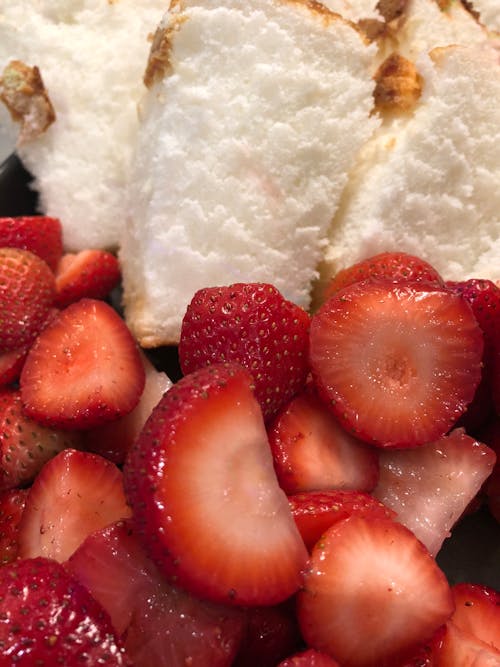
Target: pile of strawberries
(282, 504)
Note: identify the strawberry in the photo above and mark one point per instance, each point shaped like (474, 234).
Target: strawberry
(27, 290)
(74, 494)
(309, 658)
(89, 274)
(430, 487)
(205, 498)
(312, 451)
(40, 234)
(371, 592)
(477, 611)
(12, 504)
(315, 511)
(83, 370)
(458, 648)
(113, 440)
(25, 445)
(253, 324)
(49, 618)
(490, 435)
(398, 364)
(161, 626)
(397, 267)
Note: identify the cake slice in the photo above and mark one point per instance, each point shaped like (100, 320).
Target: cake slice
(255, 113)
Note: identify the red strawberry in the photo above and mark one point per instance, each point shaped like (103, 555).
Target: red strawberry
(371, 592)
(315, 511)
(477, 611)
(458, 648)
(256, 326)
(25, 445)
(39, 234)
(430, 487)
(309, 658)
(312, 451)
(83, 370)
(12, 504)
(27, 290)
(113, 440)
(397, 267)
(205, 497)
(74, 494)
(88, 274)
(162, 626)
(271, 633)
(398, 364)
(49, 618)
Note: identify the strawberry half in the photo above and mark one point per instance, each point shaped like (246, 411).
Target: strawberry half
(312, 451)
(49, 618)
(398, 267)
(88, 274)
(40, 234)
(477, 611)
(161, 626)
(398, 364)
(75, 494)
(371, 592)
(254, 325)
(27, 290)
(205, 498)
(83, 370)
(430, 487)
(25, 445)
(458, 648)
(315, 511)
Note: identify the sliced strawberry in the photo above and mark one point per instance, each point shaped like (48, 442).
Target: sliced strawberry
(271, 634)
(253, 324)
(458, 648)
(83, 370)
(398, 364)
(309, 658)
(398, 267)
(315, 511)
(477, 611)
(205, 497)
(49, 618)
(27, 290)
(74, 494)
(25, 445)
(162, 626)
(312, 451)
(12, 504)
(113, 440)
(430, 487)
(371, 592)
(89, 274)
(40, 234)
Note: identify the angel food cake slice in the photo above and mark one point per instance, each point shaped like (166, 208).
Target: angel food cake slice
(75, 85)
(255, 114)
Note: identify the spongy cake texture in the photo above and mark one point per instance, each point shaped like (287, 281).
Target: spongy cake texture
(91, 55)
(244, 149)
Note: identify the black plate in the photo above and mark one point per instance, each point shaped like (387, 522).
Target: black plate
(471, 554)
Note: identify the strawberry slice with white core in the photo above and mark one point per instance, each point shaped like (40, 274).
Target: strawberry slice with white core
(74, 494)
(477, 610)
(398, 364)
(371, 592)
(162, 626)
(83, 370)
(205, 497)
(430, 487)
(459, 648)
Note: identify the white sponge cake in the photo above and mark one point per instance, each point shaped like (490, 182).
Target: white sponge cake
(255, 115)
(91, 56)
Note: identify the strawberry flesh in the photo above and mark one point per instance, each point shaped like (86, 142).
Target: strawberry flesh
(397, 364)
(205, 498)
(88, 274)
(309, 658)
(40, 234)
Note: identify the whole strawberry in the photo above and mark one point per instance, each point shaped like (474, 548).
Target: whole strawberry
(27, 290)
(253, 324)
(49, 618)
